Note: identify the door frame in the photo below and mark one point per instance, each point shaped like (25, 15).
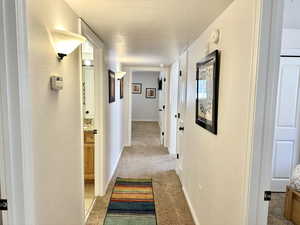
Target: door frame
(128, 99)
(15, 107)
(180, 136)
(100, 115)
(265, 67)
(279, 184)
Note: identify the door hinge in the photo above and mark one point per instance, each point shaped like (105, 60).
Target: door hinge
(163, 133)
(3, 204)
(268, 196)
(164, 107)
(177, 156)
(180, 73)
(178, 115)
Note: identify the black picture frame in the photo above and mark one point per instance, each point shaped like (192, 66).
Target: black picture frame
(148, 93)
(207, 75)
(140, 88)
(160, 84)
(122, 88)
(111, 86)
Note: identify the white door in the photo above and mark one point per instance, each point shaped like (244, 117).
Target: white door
(286, 148)
(162, 107)
(181, 105)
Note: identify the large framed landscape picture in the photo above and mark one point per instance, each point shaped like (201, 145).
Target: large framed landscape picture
(208, 91)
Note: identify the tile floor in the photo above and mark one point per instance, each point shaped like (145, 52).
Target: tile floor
(276, 210)
(89, 196)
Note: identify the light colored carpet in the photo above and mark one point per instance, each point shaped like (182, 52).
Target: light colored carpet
(147, 158)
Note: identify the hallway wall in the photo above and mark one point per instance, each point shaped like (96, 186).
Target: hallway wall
(56, 118)
(215, 167)
(57, 133)
(145, 109)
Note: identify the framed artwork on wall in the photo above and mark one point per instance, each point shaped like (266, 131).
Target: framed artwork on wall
(111, 86)
(150, 92)
(136, 88)
(208, 91)
(122, 88)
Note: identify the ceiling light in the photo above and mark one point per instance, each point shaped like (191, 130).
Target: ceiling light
(65, 42)
(120, 75)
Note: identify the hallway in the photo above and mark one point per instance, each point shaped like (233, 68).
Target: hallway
(147, 159)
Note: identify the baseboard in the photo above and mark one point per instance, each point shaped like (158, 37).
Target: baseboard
(190, 206)
(145, 120)
(114, 171)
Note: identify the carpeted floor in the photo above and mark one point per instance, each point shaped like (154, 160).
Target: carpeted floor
(146, 158)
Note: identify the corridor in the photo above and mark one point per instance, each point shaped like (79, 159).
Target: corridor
(146, 158)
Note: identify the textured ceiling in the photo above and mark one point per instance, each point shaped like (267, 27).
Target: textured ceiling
(148, 32)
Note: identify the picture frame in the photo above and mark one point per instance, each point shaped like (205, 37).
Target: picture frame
(111, 86)
(150, 92)
(122, 88)
(208, 92)
(136, 88)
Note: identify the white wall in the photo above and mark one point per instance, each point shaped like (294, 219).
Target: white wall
(291, 19)
(215, 167)
(145, 109)
(290, 42)
(57, 129)
(57, 140)
(114, 126)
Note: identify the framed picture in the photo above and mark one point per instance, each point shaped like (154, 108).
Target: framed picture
(111, 86)
(150, 92)
(160, 84)
(136, 88)
(207, 92)
(121, 88)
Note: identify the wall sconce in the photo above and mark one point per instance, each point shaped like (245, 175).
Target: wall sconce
(120, 75)
(65, 42)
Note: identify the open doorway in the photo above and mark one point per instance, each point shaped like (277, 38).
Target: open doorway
(284, 207)
(146, 105)
(88, 109)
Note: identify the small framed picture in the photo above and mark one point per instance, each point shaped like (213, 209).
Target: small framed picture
(111, 86)
(150, 92)
(136, 88)
(122, 88)
(207, 92)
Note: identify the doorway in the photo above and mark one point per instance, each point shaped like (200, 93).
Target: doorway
(88, 109)
(276, 151)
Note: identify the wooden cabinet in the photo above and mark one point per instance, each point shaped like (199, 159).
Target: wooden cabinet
(292, 206)
(89, 155)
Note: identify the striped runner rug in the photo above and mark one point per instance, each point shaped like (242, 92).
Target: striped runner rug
(131, 203)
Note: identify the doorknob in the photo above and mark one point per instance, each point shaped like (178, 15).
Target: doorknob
(181, 128)
(95, 131)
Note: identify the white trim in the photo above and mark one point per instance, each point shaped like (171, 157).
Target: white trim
(16, 114)
(268, 29)
(99, 106)
(114, 170)
(193, 212)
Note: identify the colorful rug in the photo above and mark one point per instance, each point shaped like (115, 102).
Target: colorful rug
(131, 203)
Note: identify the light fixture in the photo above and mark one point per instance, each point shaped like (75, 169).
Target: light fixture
(120, 75)
(65, 42)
